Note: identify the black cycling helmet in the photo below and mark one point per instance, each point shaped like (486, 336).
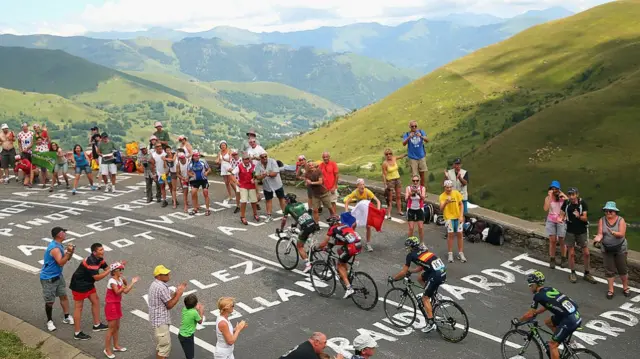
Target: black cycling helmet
(413, 242)
(333, 220)
(290, 198)
(536, 277)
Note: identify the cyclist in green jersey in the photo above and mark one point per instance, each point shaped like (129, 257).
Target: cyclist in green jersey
(304, 221)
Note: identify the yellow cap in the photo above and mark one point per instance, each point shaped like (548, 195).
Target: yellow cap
(161, 270)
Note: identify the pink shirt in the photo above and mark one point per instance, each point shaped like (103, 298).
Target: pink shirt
(555, 207)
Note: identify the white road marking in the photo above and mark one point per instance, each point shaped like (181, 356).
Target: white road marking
(156, 226)
(19, 265)
(199, 342)
(47, 205)
(212, 249)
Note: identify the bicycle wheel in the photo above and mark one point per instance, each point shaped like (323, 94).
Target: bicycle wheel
(323, 278)
(451, 321)
(365, 294)
(395, 305)
(582, 353)
(287, 253)
(526, 348)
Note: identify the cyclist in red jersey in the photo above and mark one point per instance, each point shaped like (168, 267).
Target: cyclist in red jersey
(342, 235)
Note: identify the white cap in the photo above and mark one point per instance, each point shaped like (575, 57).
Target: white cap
(4, 125)
(359, 180)
(363, 341)
(448, 183)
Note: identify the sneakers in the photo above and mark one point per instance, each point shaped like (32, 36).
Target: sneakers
(572, 277)
(165, 203)
(450, 257)
(73, 191)
(589, 278)
(552, 262)
(369, 248)
(348, 292)
(81, 336)
(50, 326)
(100, 327)
(68, 320)
(462, 258)
(113, 188)
(110, 356)
(269, 218)
(106, 187)
(429, 328)
(307, 267)
(563, 260)
(235, 211)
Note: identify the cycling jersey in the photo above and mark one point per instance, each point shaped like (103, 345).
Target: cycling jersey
(299, 213)
(199, 168)
(341, 235)
(560, 305)
(427, 260)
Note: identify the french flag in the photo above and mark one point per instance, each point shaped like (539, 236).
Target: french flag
(367, 214)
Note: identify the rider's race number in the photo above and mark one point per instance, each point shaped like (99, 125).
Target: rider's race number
(437, 264)
(304, 218)
(569, 306)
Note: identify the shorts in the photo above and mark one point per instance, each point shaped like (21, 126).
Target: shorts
(248, 195)
(309, 193)
(52, 290)
(565, 326)
(61, 167)
(108, 169)
(325, 200)
(453, 225)
(415, 215)
(199, 183)
(269, 195)
(86, 169)
(167, 179)
(393, 184)
(432, 282)
(343, 253)
(334, 196)
(615, 262)
(307, 230)
(555, 229)
(173, 176)
(163, 340)
(8, 159)
(572, 239)
(78, 296)
(418, 166)
(112, 311)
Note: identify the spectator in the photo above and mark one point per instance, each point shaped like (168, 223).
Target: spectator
(391, 180)
(159, 170)
(94, 141)
(83, 287)
(330, 175)
(611, 239)
(172, 175)
(415, 196)
(365, 346)
(246, 183)
(8, 153)
(113, 307)
(145, 158)
(453, 212)
(81, 161)
(183, 179)
(185, 146)
(160, 302)
(359, 194)
(44, 134)
(226, 334)
(320, 194)
(555, 225)
(251, 136)
(198, 171)
(96, 160)
(192, 315)
(106, 151)
(26, 141)
(161, 134)
(302, 167)
(42, 146)
(61, 166)
(152, 142)
(269, 172)
(310, 349)
(460, 179)
(415, 140)
(224, 160)
(575, 211)
(254, 150)
(235, 161)
(51, 277)
(27, 168)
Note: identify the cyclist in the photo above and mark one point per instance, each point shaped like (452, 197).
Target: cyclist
(304, 222)
(434, 273)
(565, 317)
(342, 235)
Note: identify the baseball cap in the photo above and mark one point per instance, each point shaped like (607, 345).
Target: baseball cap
(301, 157)
(4, 125)
(363, 341)
(158, 124)
(457, 160)
(554, 184)
(181, 137)
(25, 124)
(182, 155)
(195, 153)
(234, 151)
(153, 137)
(251, 132)
(56, 230)
(161, 270)
(95, 128)
(104, 134)
(572, 190)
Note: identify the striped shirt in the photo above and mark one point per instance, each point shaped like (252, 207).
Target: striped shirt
(159, 296)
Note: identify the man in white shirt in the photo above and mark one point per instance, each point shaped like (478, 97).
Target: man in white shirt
(159, 171)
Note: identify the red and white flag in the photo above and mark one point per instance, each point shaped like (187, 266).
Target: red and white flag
(366, 214)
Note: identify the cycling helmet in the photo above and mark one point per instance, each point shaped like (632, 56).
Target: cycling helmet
(412, 242)
(290, 198)
(536, 277)
(333, 220)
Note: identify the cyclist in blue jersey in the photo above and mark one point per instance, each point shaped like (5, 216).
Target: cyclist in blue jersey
(565, 317)
(198, 171)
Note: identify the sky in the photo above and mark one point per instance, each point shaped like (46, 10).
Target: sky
(76, 17)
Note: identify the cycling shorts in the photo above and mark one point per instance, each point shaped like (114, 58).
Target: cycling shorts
(432, 282)
(453, 226)
(348, 250)
(307, 229)
(199, 183)
(565, 326)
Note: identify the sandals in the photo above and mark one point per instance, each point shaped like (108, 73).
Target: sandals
(257, 218)
(626, 292)
(609, 295)
(244, 221)
(193, 213)
(207, 213)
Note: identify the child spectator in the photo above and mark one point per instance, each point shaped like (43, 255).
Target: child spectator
(192, 315)
(113, 307)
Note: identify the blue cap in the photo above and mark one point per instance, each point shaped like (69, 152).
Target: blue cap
(555, 184)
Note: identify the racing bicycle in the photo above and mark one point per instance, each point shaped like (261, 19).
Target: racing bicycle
(287, 251)
(530, 344)
(400, 308)
(323, 275)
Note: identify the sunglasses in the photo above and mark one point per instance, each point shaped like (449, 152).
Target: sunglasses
(158, 146)
(415, 180)
(388, 154)
(413, 126)
(609, 211)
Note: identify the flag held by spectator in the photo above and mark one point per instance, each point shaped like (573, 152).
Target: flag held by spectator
(366, 214)
(44, 159)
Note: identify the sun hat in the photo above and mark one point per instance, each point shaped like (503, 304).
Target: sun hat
(157, 124)
(153, 137)
(610, 206)
(4, 125)
(554, 184)
(221, 142)
(116, 266)
(161, 270)
(364, 341)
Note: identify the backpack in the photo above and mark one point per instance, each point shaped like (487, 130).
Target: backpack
(473, 230)
(117, 157)
(495, 235)
(428, 213)
(129, 165)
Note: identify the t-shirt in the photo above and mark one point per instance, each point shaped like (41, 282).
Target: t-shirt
(82, 280)
(415, 146)
(51, 268)
(199, 169)
(427, 260)
(560, 305)
(318, 190)
(26, 140)
(25, 165)
(269, 184)
(555, 207)
(356, 196)
(159, 161)
(302, 351)
(107, 149)
(190, 319)
(574, 224)
(329, 174)
(162, 136)
(298, 212)
(451, 210)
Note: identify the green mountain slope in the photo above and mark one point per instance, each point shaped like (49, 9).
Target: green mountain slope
(557, 101)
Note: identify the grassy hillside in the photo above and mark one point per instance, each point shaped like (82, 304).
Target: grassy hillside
(558, 101)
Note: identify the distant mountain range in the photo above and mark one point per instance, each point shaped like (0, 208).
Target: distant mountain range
(422, 45)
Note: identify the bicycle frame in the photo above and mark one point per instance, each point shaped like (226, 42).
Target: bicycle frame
(293, 239)
(332, 260)
(534, 333)
(408, 286)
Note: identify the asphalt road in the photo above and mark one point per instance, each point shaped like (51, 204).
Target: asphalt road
(219, 256)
